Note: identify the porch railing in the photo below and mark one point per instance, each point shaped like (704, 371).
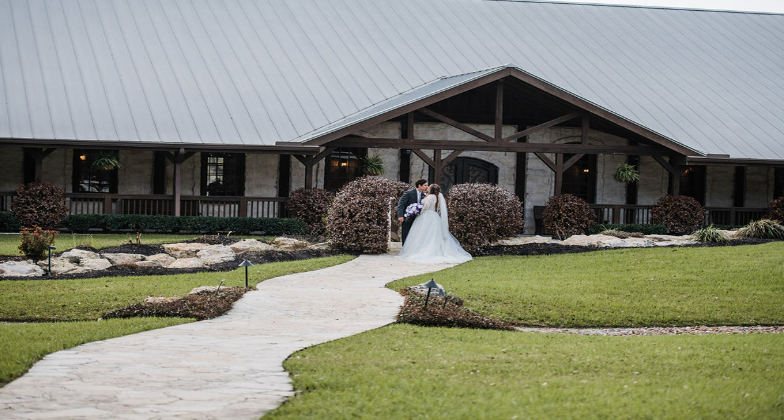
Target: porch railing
(164, 205)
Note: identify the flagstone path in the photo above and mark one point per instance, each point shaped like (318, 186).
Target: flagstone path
(226, 368)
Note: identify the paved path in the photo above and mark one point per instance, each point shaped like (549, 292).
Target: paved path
(226, 368)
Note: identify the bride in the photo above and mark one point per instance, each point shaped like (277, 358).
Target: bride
(429, 239)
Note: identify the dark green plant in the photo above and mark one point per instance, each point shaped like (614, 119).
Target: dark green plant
(776, 210)
(106, 161)
(480, 214)
(35, 242)
(681, 214)
(710, 234)
(372, 165)
(39, 204)
(8, 222)
(762, 229)
(626, 173)
(567, 215)
(311, 206)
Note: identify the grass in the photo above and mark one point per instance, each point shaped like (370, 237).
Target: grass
(738, 285)
(405, 371)
(9, 242)
(89, 299)
(24, 344)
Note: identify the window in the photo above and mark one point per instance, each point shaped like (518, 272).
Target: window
(465, 170)
(693, 183)
(95, 171)
(739, 188)
(778, 182)
(580, 178)
(222, 174)
(342, 167)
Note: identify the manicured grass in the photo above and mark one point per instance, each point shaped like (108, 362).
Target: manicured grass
(405, 371)
(24, 344)
(89, 299)
(9, 243)
(737, 285)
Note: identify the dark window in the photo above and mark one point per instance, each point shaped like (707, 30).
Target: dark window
(93, 171)
(159, 173)
(739, 189)
(342, 167)
(580, 178)
(632, 187)
(223, 174)
(466, 170)
(778, 184)
(693, 183)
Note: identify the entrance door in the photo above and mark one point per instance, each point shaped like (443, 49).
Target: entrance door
(465, 170)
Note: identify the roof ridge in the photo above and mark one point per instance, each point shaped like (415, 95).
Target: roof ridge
(635, 6)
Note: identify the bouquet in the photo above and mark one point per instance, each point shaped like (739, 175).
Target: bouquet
(413, 209)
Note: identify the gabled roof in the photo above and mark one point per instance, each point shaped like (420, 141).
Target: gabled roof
(258, 72)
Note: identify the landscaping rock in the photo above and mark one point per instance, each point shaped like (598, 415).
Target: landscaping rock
(320, 246)
(121, 259)
(522, 240)
(20, 269)
(162, 259)
(626, 243)
(95, 264)
(203, 289)
(150, 263)
(184, 250)
(186, 263)
(588, 240)
(216, 254)
(159, 300)
(75, 256)
(249, 245)
(289, 244)
(63, 266)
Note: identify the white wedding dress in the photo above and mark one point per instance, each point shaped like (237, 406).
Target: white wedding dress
(429, 240)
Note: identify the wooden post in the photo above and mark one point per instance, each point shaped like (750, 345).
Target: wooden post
(438, 167)
(675, 171)
(177, 158)
(584, 130)
(558, 173)
(38, 154)
(499, 109)
(309, 174)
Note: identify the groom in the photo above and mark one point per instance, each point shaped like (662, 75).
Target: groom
(409, 197)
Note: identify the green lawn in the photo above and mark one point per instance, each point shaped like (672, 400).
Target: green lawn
(404, 371)
(738, 285)
(9, 243)
(89, 299)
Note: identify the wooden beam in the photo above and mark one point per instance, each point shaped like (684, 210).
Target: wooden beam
(424, 157)
(546, 160)
(458, 125)
(499, 109)
(670, 168)
(451, 157)
(38, 154)
(439, 166)
(568, 164)
(543, 126)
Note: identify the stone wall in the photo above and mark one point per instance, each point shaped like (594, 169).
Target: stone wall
(719, 186)
(653, 183)
(135, 175)
(759, 186)
(11, 160)
(261, 175)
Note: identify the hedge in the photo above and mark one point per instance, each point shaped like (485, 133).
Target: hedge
(8, 222)
(167, 224)
(644, 229)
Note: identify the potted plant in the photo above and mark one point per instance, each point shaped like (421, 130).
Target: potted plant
(106, 161)
(626, 173)
(372, 165)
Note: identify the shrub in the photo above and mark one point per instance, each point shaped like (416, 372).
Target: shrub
(681, 214)
(630, 227)
(38, 204)
(762, 229)
(480, 214)
(567, 215)
(444, 314)
(310, 206)
(710, 234)
(776, 210)
(359, 218)
(35, 242)
(8, 222)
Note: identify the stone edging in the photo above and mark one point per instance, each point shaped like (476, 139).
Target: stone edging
(695, 330)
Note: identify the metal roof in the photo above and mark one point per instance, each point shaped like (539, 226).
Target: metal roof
(257, 72)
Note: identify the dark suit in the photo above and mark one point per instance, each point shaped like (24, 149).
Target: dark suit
(409, 197)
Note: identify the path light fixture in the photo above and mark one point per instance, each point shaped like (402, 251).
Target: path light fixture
(430, 286)
(49, 269)
(246, 264)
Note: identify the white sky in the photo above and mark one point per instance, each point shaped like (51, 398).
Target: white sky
(771, 6)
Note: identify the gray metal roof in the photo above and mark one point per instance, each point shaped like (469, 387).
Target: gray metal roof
(256, 72)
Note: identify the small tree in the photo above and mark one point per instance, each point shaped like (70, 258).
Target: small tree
(681, 214)
(480, 214)
(35, 242)
(567, 215)
(359, 218)
(311, 206)
(776, 210)
(39, 205)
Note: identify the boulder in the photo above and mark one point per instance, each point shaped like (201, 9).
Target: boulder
(63, 266)
(589, 240)
(162, 259)
(320, 246)
(186, 263)
(95, 264)
(123, 259)
(184, 250)
(247, 245)
(289, 244)
(522, 240)
(203, 289)
(150, 263)
(75, 256)
(20, 269)
(159, 299)
(626, 243)
(216, 254)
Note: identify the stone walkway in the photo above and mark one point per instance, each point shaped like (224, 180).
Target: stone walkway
(229, 367)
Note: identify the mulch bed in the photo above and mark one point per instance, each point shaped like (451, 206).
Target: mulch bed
(444, 314)
(204, 305)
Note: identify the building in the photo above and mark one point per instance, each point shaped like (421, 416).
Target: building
(222, 107)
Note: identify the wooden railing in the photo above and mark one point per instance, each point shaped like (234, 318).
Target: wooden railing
(164, 205)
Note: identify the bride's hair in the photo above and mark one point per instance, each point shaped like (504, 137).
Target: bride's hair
(435, 190)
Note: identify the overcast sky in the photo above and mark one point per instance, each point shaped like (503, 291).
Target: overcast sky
(773, 6)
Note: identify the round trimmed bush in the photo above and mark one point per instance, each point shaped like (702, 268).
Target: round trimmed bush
(483, 213)
(310, 206)
(39, 204)
(776, 210)
(567, 215)
(359, 218)
(681, 214)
